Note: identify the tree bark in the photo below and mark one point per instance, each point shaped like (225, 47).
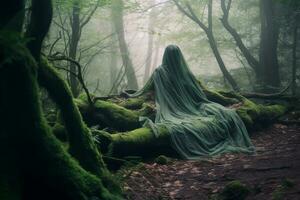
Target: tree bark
(113, 59)
(40, 20)
(12, 15)
(75, 37)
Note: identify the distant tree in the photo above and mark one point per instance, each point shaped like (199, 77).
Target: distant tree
(117, 14)
(151, 22)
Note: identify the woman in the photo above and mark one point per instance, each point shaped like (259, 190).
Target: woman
(198, 127)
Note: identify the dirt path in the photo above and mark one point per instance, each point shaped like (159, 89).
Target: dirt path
(276, 164)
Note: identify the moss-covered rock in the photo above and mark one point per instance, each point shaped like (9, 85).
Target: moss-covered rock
(234, 190)
(162, 160)
(279, 192)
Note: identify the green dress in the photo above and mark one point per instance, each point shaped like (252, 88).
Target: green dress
(198, 127)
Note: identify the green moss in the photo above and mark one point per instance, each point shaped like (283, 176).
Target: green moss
(288, 183)
(132, 103)
(103, 139)
(140, 142)
(47, 170)
(279, 193)
(217, 96)
(108, 114)
(251, 113)
(116, 116)
(60, 132)
(81, 145)
(234, 190)
(162, 160)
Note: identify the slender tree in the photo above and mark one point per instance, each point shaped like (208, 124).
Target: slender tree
(117, 14)
(75, 37)
(150, 45)
(295, 44)
(266, 68)
(189, 12)
(252, 61)
(77, 19)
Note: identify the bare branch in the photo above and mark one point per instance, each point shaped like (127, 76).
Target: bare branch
(191, 14)
(54, 43)
(89, 16)
(249, 57)
(79, 75)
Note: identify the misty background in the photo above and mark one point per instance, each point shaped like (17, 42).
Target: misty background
(111, 37)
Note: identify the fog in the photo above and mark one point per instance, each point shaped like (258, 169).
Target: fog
(149, 26)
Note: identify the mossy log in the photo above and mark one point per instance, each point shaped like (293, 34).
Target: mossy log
(143, 142)
(119, 117)
(139, 142)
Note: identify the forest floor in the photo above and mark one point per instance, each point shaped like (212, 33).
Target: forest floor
(273, 173)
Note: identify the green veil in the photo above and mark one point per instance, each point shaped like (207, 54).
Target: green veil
(198, 127)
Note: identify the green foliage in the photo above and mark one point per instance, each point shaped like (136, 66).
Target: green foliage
(278, 193)
(234, 190)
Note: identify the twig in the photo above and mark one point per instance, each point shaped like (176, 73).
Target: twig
(54, 43)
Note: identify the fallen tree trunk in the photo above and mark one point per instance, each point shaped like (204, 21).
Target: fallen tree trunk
(137, 141)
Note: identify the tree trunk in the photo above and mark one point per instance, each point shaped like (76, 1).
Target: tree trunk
(268, 45)
(253, 63)
(117, 13)
(155, 58)
(113, 59)
(34, 157)
(12, 15)
(75, 37)
(150, 46)
(294, 67)
(34, 163)
(220, 61)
